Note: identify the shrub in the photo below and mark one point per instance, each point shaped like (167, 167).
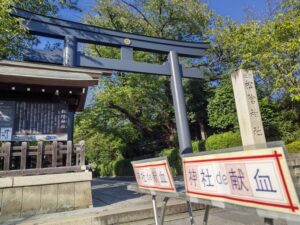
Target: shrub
(122, 167)
(223, 140)
(198, 146)
(105, 169)
(294, 146)
(174, 159)
(118, 167)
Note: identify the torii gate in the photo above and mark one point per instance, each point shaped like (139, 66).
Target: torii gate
(73, 33)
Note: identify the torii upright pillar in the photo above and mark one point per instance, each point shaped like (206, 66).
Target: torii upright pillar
(182, 125)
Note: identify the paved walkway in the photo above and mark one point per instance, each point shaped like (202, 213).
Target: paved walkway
(225, 217)
(114, 205)
(216, 217)
(113, 192)
(108, 191)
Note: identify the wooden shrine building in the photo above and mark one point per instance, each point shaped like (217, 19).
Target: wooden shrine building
(38, 101)
(41, 169)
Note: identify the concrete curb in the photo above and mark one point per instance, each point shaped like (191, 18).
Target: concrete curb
(102, 216)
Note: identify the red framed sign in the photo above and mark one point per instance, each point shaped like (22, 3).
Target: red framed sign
(254, 178)
(154, 175)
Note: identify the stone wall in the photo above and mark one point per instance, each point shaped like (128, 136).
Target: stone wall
(31, 195)
(293, 160)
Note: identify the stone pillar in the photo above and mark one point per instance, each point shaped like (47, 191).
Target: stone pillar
(250, 122)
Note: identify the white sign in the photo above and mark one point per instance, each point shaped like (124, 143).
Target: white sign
(155, 175)
(5, 133)
(256, 178)
(40, 137)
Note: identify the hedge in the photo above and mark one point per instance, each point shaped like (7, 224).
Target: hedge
(198, 146)
(174, 159)
(122, 167)
(223, 140)
(118, 167)
(294, 146)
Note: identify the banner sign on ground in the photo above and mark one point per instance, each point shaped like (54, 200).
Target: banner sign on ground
(254, 178)
(154, 175)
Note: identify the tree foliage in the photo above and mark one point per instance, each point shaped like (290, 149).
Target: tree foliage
(221, 107)
(174, 19)
(13, 36)
(135, 111)
(11, 33)
(269, 48)
(197, 94)
(280, 116)
(294, 147)
(136, 108)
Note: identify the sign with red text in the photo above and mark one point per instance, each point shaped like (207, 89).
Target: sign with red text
(253, 178)
(154, 175)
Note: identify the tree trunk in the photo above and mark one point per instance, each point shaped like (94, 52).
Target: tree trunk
(202, 131)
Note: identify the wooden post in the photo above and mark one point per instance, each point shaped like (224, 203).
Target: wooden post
(6, 147)
(2, 148)
(54, 154)
(82, 153)
(39, 155)
(69, 153)
(23, 155)
(250, 122)
(77, 153)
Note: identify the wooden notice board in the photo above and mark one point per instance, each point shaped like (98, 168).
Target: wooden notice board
(154, 175)
(253, 178)
(33, 121)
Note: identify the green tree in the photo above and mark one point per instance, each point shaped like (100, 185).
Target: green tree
(197, 94)
(136, 108)
(11, 33)
(13, 36)
(270, 49)
(280, 116)
(221, 107)
(132, 109)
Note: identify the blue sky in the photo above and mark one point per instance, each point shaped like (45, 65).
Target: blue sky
(236, 8)
(231, 8)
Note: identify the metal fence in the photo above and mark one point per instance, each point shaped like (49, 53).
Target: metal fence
(28, 158)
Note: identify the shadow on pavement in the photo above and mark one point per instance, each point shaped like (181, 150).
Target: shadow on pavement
(107, 191)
